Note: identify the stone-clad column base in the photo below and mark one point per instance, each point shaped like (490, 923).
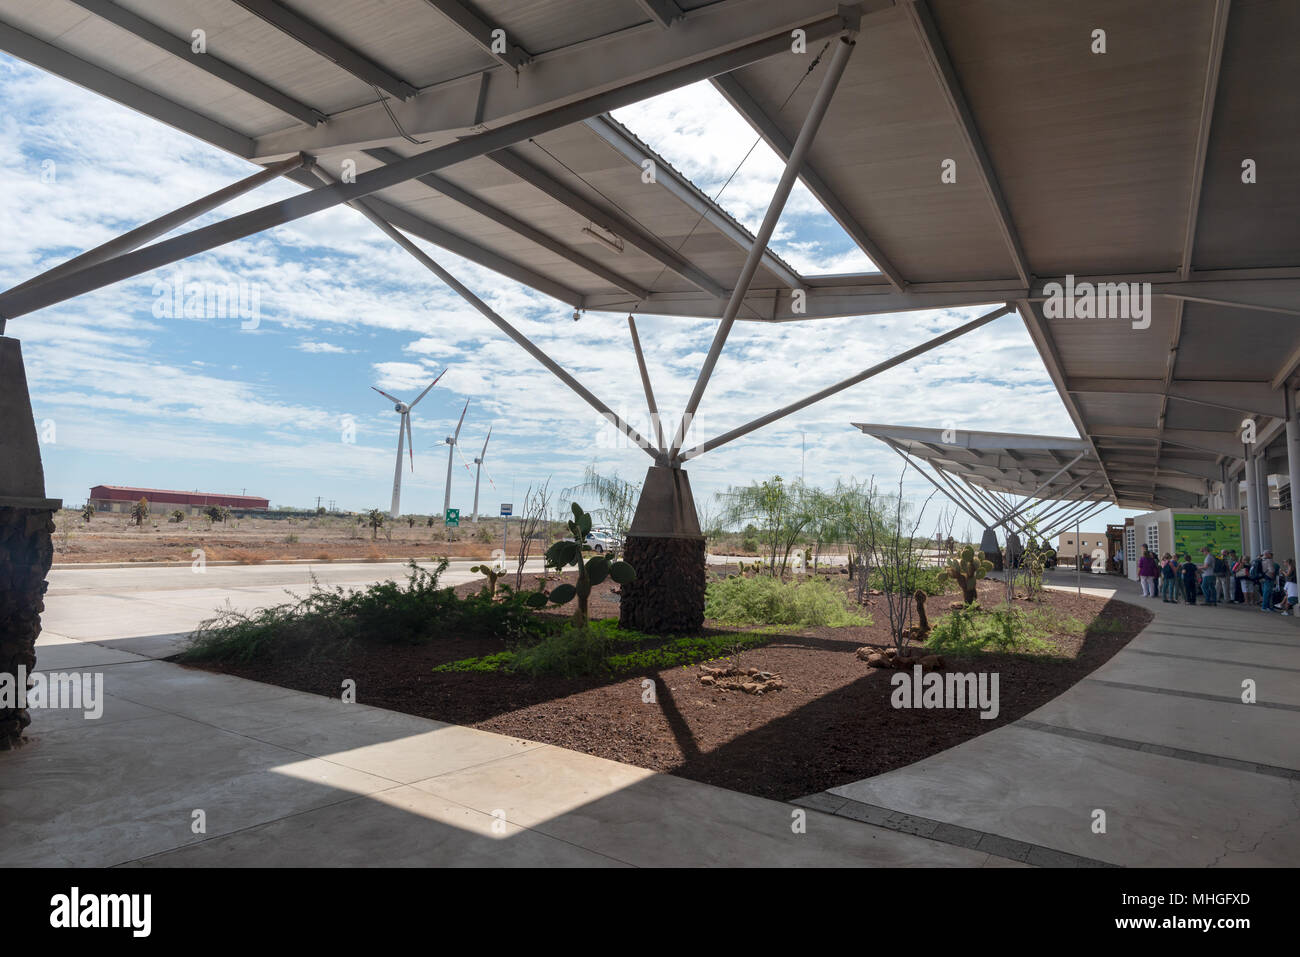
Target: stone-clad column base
(667, 595)
(26, 550)
(666, 548)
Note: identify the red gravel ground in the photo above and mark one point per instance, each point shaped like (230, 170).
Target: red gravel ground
(832, 724)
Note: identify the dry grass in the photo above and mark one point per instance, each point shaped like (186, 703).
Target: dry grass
(324, 557)
(246, 558)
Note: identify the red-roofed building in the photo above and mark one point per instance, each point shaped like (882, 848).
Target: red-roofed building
(120, 498)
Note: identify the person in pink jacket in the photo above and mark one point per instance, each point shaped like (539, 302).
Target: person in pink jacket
(1147, 573)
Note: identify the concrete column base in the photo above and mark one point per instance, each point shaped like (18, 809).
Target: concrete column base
(989, 546)
(667, 550)
(26, 550)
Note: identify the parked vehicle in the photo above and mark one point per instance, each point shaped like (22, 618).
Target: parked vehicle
(603, 540)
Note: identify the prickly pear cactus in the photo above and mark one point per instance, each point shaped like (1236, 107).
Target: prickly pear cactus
(967, 568)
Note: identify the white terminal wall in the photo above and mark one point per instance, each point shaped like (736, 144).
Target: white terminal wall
(1163, 520)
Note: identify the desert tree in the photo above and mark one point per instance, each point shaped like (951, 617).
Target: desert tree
(140, 510)
(532, 518)
(375, 519)
(87, 512)
(616, 496)
(780, 511)
(900, 559)
(859, 515)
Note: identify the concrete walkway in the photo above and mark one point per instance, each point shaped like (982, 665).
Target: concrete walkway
(1158, 739)
(280, 777)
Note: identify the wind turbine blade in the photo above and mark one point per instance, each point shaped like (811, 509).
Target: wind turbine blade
(463, 460)
(387, 396)
(483, 454)
(426, 391)
(488, 475)
(410, 439)
(461, 422)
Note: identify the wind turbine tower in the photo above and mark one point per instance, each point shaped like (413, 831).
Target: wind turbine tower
(451, 452)
(404, 436)
(478, 470)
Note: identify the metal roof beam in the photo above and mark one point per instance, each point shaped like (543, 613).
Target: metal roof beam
(512, 55)
(499, 216)
(275, 214)
(1219, 443)
(468, 249)
(1217, 33)
(745, 104)
(330, 47)
(615, 222)
(51, 59)
(662, 12)
(209, 63)
(642, 61)
(927, 31)
(1259, 398)
(682, 189)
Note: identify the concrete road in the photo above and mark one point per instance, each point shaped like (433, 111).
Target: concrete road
(149, 610)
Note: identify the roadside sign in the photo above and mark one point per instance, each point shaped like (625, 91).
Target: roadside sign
(507, 509)
(452, 518)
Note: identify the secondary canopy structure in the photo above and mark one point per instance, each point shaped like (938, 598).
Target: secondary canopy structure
(1002, 479)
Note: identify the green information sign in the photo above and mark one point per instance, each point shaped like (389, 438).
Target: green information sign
(452, 518)
(1193, 531)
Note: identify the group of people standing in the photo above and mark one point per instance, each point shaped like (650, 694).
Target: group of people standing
(1220, 579)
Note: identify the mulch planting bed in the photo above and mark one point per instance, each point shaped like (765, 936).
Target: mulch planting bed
(831, 721)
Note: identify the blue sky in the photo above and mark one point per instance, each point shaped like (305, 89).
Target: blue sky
(128, 394)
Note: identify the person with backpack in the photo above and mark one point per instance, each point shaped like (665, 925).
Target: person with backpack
(1208, 587)
(1147, 573)
(1222, 578)
(1188, 569)
(1265, 572)
(1288, 585)
(1168, 579)
(1241, 580)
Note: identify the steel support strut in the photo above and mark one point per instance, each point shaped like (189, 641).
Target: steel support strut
(794, 163)
(840, 386)
(164, 224)
(645, 384)
(495, 318)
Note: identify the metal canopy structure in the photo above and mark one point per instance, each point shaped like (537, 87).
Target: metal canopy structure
(977, 152)
(1004, 479)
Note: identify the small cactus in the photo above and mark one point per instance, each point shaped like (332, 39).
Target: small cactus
(493, 574)
(591, 571)
(967, 568)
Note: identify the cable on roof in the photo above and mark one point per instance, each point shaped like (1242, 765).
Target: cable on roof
(811, 66)
(383, 101)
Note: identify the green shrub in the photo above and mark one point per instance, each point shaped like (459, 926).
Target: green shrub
(386, 612)
(574, 649)
(932, 581)
(1005, 629)
(749, 545)
(764, 600)
(602, 648)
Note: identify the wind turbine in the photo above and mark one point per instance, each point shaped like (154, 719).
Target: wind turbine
(478, 468)
(403, 436)
(451, 451)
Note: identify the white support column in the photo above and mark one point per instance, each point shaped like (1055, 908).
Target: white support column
(1293, 465)
(1252, 506)
(1265, 520)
